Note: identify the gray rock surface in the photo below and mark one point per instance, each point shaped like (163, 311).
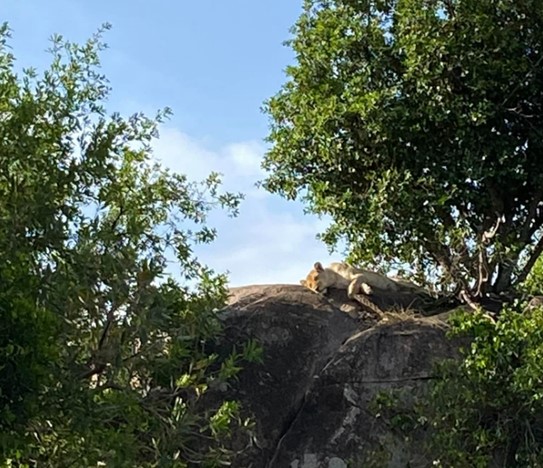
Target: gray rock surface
(325, 359)
(337, 420)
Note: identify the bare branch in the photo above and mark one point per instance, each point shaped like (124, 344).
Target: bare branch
(487, 236)
(483, 273)
(464, 296)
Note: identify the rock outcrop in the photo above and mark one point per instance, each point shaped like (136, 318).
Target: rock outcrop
(325, 360)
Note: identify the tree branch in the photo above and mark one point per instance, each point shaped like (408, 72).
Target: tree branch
(538, 222)
(465, 296)
(531, 262)
(525, 236)
(505, 270)
(441, 258)
(98, 368)
(495, 198)
(484, 271)
(92, 371)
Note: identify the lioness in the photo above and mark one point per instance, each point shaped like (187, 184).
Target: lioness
(354, 280)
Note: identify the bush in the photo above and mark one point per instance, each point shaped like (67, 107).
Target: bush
(103, 355)
(489, 405)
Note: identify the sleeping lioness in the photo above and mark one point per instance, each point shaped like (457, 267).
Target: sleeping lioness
(354, 280)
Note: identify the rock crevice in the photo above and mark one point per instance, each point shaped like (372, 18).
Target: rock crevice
(325, 360)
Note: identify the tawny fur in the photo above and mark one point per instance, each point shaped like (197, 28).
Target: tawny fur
(354, 280)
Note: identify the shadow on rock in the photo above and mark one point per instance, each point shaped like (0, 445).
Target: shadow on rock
(324, 361)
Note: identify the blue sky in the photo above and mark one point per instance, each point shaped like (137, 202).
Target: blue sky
(213, 63)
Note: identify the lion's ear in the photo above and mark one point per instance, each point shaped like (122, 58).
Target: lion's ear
(318, 266)
(303, 282)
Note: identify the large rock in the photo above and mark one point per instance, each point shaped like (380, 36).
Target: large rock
(337, 426)
(299, 331)
(322, 368)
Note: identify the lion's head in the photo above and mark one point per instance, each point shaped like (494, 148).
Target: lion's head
(313, 279)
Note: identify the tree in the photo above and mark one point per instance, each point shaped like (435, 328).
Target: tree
(416, 125)
(486, 408)
(103, 355)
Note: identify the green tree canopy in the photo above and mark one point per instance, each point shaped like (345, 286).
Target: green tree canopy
(103, 356)
(417, 126)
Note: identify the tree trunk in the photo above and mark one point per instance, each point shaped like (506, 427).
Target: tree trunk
(504, 279)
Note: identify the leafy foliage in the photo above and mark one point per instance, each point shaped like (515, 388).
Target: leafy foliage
(534, 281)
(104, 356)
(489, 406)
(415, 124)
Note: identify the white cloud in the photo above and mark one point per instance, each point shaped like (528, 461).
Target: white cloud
(272, 240)
(246, 157)
(238, 162)
(271, 247)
